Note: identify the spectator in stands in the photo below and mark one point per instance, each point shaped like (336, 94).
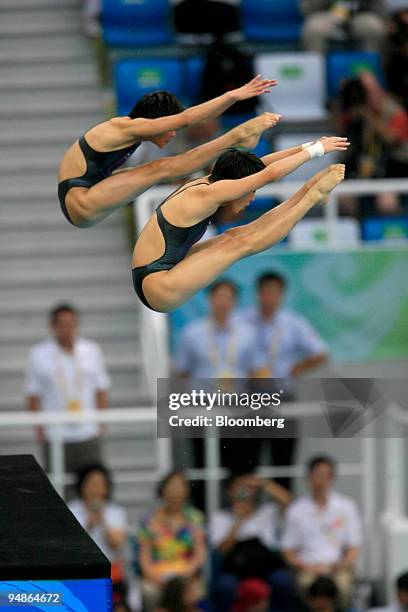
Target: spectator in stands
(221, 347)
(322, 536)
(245, 537)
(327, 20)
(377, 127)
(253, 596)
(171, 538)
(292, 348)
(67, 374)
(104, 520)
(181, 594)
(323, 596)
(401, 602)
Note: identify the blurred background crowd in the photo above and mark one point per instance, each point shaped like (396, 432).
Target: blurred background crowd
(275, 545)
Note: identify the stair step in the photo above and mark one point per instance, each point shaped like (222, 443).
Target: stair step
(63, 236)
(41, 216)
(45, 46)
(38, 5)
(18, 270)
(84, 102)
(51, 276)
(39, 23)
(88, 304)
(35, 58)
(44, 298)
(20, 130)
(49, 77)
(93, 320)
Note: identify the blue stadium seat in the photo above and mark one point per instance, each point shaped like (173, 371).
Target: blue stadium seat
(346, 64)
(392, 229)
(271, 20)
(135, 77)
(128, 23)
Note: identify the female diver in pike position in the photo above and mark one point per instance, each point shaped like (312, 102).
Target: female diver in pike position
(170, 264)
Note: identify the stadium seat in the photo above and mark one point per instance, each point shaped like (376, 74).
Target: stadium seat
(314, 232)
(346, 64)
(271, 20)
(301, 91)
(128, 23)
(135, 77)
(392, 229)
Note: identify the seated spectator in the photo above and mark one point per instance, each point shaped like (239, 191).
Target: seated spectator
(253, 596)
(171, 538)
(181, 594)
(245, 536)
(323, 596)
(327, 20)
(105, 521)
(377, 127)
(322, 535)
(401, 602)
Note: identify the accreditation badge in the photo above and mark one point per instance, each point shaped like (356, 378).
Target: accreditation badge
(74, 405)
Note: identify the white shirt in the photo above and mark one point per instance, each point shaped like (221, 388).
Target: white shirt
(262, 524)
(58, 378)
(114, 517)
(321, 535)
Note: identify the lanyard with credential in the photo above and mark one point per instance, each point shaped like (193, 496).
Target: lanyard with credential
(71, 396)
(214, 353)
(274, 345)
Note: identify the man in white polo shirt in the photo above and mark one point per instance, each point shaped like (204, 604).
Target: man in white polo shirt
(322, 535)
(67, 373)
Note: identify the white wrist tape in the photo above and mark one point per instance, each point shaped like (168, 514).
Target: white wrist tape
(307, 144)
(315, 150)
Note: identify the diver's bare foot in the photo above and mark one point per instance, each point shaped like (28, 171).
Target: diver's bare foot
(321, 190)
(250, 132)
(316, 178)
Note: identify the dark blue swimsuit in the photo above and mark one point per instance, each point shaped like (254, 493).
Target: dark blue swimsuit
(99, 165)
(177, 243)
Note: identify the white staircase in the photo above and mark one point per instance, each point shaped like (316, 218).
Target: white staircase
(49, 95)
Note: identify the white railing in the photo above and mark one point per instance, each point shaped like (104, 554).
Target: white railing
(394, 501)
